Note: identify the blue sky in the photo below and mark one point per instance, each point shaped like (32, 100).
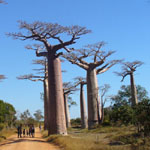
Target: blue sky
(123, 24)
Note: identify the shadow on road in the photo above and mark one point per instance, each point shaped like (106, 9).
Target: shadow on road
(12, 141)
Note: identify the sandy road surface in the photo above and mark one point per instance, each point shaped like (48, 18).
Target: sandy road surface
(37, 143)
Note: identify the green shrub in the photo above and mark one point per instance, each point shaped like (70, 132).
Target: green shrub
(2, 126)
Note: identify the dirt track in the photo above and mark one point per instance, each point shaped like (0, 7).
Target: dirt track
(27, 143)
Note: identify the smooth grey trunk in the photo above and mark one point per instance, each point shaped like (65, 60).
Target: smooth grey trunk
(92, 94)
(57, 121)
(83, 112)
(67, 113)
(133, 90)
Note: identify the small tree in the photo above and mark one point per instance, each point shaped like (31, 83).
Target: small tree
(38, 115)
(129, 68)
(142, 119)
(25, 116)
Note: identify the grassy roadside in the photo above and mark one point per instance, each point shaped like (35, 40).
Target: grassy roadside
(5, 133)
(102, 138)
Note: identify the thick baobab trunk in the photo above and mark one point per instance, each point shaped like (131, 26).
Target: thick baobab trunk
(83, 108)
(67, 114)
(133, 91)
(92, 93)
(57, 121)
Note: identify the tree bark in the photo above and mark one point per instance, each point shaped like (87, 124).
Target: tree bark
(133, 90)
(83, 112)
(67, 114)
(92, 92)
(57, 121)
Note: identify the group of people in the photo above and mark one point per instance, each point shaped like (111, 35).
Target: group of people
(23, 132)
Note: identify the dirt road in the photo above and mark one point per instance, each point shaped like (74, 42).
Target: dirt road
(27, 143)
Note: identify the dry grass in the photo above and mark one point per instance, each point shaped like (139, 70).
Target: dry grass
(6, 133)
(102, 138)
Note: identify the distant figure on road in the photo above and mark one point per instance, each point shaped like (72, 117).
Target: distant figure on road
(30, 130)
(27, 132)
(19, 129)
(33, 131)
(40, 127)
(24, 132)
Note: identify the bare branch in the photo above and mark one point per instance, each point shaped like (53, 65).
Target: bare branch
(107, 66)
(29, 77)
(39, 62)
(35, 80)
(2, 77)
(72, 57)
(68, 87)
(2, 1)
(80, 80)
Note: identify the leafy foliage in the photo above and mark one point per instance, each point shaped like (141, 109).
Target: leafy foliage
(7, 113)
(124, 95)
(142, 119)
(122, 114)
(38, 115)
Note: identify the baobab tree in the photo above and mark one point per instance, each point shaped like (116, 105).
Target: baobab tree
(83, 113)
(129, 68)
(68, 89)
(98, 59)
(43, 33)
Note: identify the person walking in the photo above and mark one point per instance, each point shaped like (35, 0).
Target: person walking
(24, 132)
(33, 131)
(19, 131)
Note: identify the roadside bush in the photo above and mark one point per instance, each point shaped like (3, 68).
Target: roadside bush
(76, 122)
(142, 119)
(122, 114)
(2, 126)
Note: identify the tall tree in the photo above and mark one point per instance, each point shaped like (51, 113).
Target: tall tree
(38, 115)
(43, 32)
(99, 59)
(129, 68)
(83, 113)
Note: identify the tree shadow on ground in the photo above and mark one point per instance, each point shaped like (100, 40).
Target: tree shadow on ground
(11, 141)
